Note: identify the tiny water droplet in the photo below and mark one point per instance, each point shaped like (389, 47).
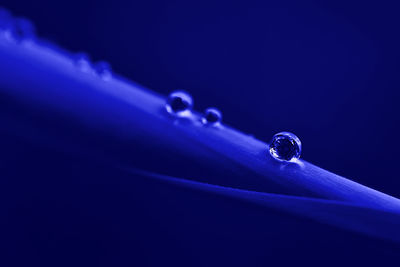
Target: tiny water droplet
(22, 30)
(285, 146)
(103, 69)
(82, 61)
(212, 116)
(179, 103)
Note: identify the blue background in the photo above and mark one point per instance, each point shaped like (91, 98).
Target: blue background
(327, 71)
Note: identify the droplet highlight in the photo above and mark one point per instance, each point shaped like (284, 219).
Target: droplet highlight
(211, 116)
(179, 103)
(285, 146)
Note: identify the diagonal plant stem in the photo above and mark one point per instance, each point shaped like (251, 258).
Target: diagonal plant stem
(47, 80)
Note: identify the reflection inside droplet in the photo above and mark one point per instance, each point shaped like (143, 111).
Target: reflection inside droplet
(179, 103)
(212, 116)
(285, 146)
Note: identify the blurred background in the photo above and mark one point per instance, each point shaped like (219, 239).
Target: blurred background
(327, 71)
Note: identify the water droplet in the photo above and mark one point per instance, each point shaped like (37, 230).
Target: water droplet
(103, 69)
(212, 116)
(22, 30)
(82, 61)
(285, 146)
(179, 103)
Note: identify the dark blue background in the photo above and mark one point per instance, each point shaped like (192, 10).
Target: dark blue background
(327, 71)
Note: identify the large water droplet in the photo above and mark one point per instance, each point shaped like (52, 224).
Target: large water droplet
(285, 146)
(179, 103)
(212, 116)
(103, 69)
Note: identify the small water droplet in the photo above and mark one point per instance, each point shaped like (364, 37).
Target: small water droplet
(82, 61)
(179, 103)
(285, 146)
(22, 30)
(212, 116)
(103, 69)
